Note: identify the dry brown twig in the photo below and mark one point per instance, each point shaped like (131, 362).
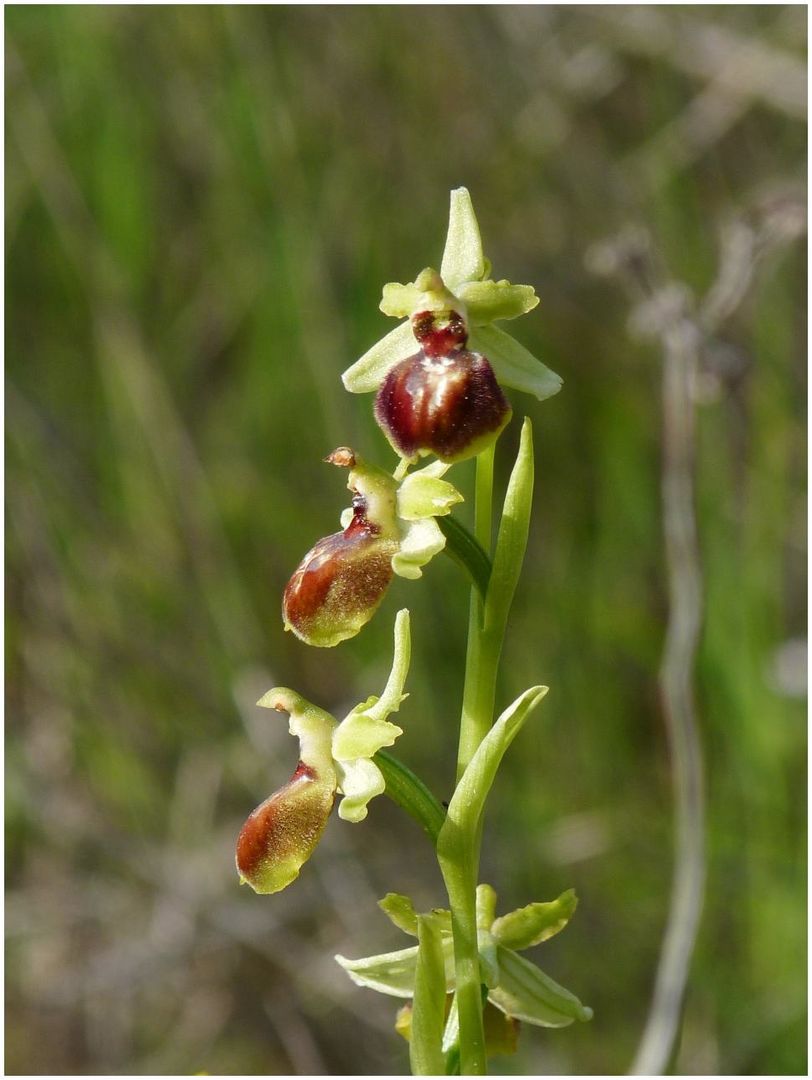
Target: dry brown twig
(667, 312)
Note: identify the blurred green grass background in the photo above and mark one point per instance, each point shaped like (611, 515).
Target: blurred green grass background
(202, 205)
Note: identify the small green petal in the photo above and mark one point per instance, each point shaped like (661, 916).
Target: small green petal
(393, 695)
(426, 293)
(398, 300)
(489, 301)
(367, 374)
(418, 546)
(423, 495)
(362, 736)
(359, 781)
(463, 259)
(526, 993)
(512, 364)
(400, 910)
(485, 906)
(528, 926)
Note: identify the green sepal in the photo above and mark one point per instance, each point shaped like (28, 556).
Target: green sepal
(488, 958)
(367, 374)
(428, 1010)
(526, 993)
(463, 258)
(513, 365)
(394, 973)
(530, 925)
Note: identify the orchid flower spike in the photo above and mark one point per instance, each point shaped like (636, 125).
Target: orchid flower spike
(389, 529)
(437, 376)
(334, 758)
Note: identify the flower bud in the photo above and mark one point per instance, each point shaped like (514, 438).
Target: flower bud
(444, 399)
(339, 584)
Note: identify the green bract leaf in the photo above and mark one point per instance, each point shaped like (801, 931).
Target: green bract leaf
(511, 541)
(528, 926)
(428, 1012)
(368, 373)
(526, 993)
(463, 259)
(466, 805)
(512, 364)
(490, 301)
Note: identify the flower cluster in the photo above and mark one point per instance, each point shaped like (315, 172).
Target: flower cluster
(516, 987)
(438, 381)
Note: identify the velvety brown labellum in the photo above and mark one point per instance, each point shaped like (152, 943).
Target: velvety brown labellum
(280, 835)
(449, 404)
(340, 582)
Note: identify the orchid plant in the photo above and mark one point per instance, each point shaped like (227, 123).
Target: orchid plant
(439, 380)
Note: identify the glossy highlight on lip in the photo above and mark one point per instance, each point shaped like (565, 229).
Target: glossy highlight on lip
(281, 834)
(443, 400)
(340, 582)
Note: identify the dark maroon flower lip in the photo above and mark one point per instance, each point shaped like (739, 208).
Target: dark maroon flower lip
(340, 582)
(448, 404)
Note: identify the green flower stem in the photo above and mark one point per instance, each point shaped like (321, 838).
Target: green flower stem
(410, 793)
(459, 874)
(459, 860)
(459, 866)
